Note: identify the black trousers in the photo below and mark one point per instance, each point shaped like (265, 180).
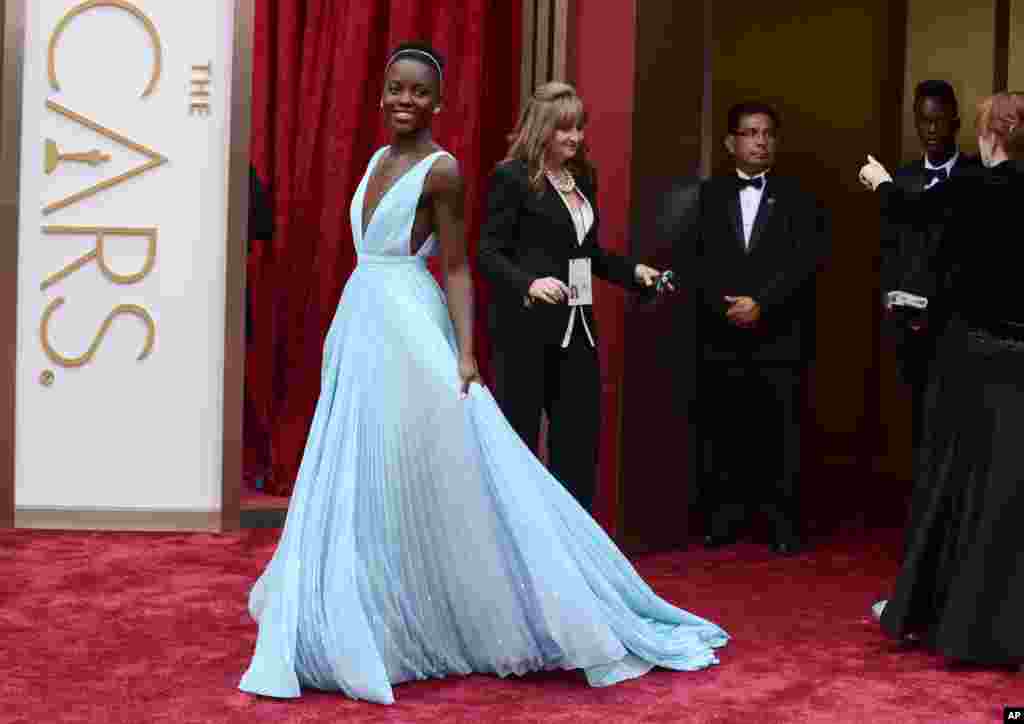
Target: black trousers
(565, 383)
(749, 426)
(914, 355)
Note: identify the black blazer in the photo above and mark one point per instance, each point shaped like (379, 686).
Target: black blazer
(527, 236)
(788, 245)
(909, 245)
(976, 262)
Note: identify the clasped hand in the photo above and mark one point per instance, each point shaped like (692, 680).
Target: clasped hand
(548, 289)
(743, 311)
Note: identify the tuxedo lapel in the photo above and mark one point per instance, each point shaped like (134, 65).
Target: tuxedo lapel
(588, 192)
(764, 214)
(918, 180)
(732, 206)
(911, 177)
(963, 164)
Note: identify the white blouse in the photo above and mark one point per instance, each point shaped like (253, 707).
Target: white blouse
(582, 219)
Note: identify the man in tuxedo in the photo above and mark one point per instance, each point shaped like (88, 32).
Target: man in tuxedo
(908, 248)
(752, 243)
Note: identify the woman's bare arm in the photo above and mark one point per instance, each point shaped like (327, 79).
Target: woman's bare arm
(446, 189)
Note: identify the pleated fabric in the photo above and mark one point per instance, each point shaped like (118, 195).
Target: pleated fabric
(423, 537)
(961, 587)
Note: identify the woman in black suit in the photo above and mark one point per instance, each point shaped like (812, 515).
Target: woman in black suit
(960, 589)
(542, 215)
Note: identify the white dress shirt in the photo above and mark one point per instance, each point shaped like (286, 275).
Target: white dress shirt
(948, 165)
(582, 219)
(750, 201)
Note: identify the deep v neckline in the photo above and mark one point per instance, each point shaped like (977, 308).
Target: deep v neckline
(567, 208)
(364, 223)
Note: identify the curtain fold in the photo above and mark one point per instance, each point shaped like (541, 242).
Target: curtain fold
(318, 69)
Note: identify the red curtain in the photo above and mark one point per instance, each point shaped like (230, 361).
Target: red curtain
(317, 77)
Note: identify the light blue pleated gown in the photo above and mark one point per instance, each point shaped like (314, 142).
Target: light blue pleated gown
(423, 537)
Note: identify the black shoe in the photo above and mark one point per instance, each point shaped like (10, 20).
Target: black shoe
(718, 541)
(786, 547)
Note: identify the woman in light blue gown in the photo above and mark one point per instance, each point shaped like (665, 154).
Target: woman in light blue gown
(423, 537)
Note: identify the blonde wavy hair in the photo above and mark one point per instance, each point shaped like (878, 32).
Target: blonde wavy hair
(553, 106)
(1002, 114)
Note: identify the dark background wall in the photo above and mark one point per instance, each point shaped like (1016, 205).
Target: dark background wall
(659, 374)
(842, 75)
(835, 72)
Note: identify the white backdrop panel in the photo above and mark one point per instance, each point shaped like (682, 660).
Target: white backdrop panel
(118, 432)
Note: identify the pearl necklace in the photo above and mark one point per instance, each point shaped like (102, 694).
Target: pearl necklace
(564, 183)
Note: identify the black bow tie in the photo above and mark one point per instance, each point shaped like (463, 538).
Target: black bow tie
(757, 182)
(931, 174)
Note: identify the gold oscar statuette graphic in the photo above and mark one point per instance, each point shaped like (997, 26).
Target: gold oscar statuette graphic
(99, 232)
(53, 157)
(155, 159)
(121, 5)
(132, 309)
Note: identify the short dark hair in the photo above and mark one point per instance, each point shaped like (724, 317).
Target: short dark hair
(940, 90)
(751, 108)
(416, 51)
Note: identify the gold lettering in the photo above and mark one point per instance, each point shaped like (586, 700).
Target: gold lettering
(53, 157)
(59, 359)
(97, 253)
(121, 5)
(201, 89)
(155, 159)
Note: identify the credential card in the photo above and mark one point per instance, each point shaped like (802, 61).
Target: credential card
(579, 283)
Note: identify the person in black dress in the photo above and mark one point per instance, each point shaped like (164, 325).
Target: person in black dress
(960, 588)
(751, 251)
(908, 247)
(541, 216)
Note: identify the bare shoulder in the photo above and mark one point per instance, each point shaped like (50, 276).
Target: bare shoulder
(445, 176)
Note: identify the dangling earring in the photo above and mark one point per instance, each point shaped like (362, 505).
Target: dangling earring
(437, 109)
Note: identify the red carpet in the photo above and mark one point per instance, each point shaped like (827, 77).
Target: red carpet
(152, 628)
(258, 500)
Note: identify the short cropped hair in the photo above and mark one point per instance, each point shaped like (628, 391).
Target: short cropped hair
(940, 90)
(751, 108)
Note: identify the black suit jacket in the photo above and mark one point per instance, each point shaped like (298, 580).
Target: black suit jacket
(976, 263)
(527, 236)
(909, 244)
(789, 243)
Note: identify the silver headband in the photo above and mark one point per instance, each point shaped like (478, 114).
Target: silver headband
(396, 56)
